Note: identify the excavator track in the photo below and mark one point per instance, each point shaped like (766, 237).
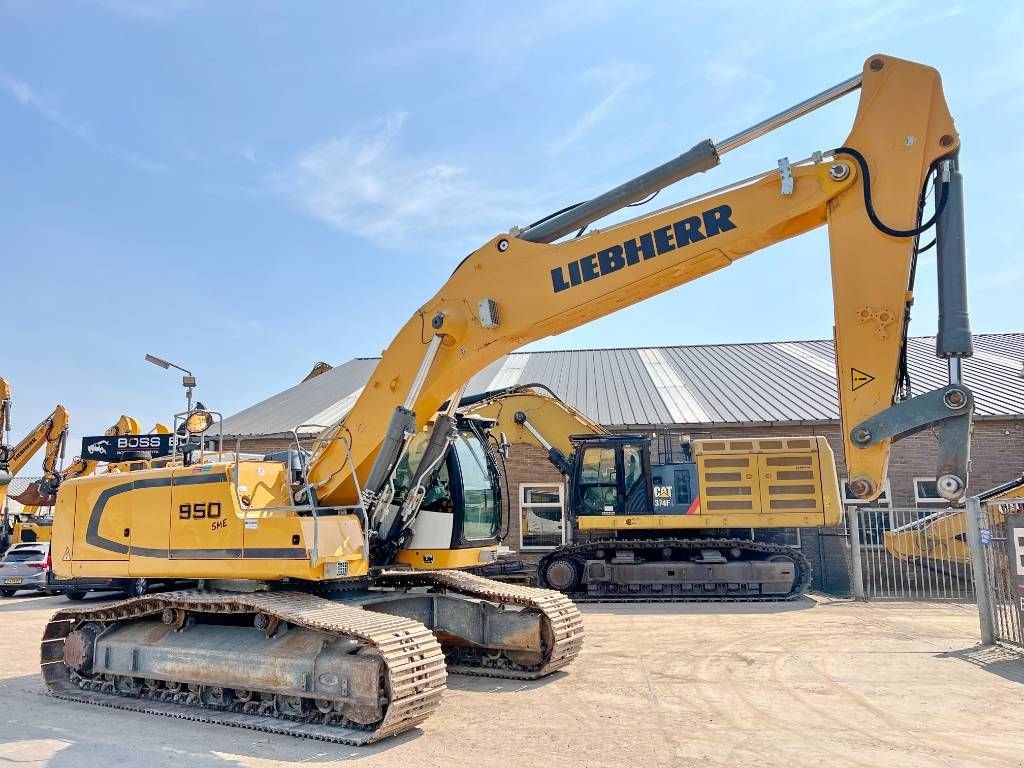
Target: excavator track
(562, 629)
(412, 684)
(648, 593)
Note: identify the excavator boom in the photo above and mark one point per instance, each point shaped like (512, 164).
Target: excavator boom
(517, 289)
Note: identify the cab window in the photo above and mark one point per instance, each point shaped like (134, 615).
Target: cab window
(599, 481)
(480, 501)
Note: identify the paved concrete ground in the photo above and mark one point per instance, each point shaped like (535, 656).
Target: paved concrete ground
(808, 684)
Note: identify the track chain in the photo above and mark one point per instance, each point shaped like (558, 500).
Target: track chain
(412, 656)
(562, 630)
(800, 583)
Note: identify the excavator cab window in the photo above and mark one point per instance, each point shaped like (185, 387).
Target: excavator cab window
(635, 486)
(479, 498)
(612, 477)
(467, 479)
(598, 485)
(438, 497)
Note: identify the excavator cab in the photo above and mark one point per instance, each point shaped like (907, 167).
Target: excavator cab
(612, 474)
(461, 512)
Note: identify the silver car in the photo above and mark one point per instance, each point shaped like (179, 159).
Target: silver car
(25, 567)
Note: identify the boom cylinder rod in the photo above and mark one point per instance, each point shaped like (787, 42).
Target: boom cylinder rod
(701, 157)
(789, 115)
(953, 339)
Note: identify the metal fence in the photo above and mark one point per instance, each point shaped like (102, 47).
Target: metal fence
(909, 554)
(999, 599)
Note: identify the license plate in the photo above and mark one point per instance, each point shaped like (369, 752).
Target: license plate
(12, 581)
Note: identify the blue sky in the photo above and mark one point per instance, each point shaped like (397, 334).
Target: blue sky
(249, 187)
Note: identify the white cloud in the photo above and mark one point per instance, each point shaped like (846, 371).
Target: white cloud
(363, 183)
(615, 79)
(733, 74)
(27, 96)
(145, 164)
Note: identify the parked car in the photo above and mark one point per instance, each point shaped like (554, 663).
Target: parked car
(25, 567)
(77, 587)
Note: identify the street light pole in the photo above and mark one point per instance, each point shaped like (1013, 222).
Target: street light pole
(188, 380)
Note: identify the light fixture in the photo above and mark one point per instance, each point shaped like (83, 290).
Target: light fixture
(188, 380)
(157, 361)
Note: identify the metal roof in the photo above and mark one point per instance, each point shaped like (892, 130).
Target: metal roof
(790, 381)
(320, 400)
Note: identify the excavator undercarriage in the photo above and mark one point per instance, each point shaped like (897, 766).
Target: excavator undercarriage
(670, 569)
(368, 663)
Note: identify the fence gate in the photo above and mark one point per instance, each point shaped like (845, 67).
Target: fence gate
(910, 554)
(997, 537)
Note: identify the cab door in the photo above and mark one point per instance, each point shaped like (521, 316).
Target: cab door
(598, 490)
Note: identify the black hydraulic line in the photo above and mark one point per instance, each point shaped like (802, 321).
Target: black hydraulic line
(869, 205)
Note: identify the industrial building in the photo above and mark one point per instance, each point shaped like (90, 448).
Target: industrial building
(766, 389)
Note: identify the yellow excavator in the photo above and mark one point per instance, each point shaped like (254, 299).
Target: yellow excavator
(34, 523)
(625, 519)
(52, 433)
(933, 540)
(939, 539)
(331, 598)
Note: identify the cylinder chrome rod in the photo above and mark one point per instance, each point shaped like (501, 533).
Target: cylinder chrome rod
(701, 157)
(788, 115)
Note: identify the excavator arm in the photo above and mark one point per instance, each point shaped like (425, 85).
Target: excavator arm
(5, 411)
(5, 430)
(530, 414)
(52, 433)
(522, 287)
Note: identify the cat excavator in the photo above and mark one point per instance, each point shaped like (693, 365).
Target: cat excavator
(334, 596)
(635, 533)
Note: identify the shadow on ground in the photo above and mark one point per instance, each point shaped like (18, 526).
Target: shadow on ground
(95, 736)
(675, 609)
(499, 685)
(32, 603)
(1004, 662)
(55, 602)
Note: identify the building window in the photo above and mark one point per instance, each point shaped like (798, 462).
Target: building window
(541, 515)
(926, 493)
(787, 537)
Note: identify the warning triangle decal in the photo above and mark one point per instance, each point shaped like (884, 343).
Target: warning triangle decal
(66, 557)
(858, 378)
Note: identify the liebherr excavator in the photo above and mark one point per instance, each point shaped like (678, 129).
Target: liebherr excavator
(624, 542)
(322, 611)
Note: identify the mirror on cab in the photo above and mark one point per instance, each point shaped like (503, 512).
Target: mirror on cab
(198, 422)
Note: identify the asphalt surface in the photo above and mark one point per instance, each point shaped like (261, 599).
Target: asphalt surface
(812, 683)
